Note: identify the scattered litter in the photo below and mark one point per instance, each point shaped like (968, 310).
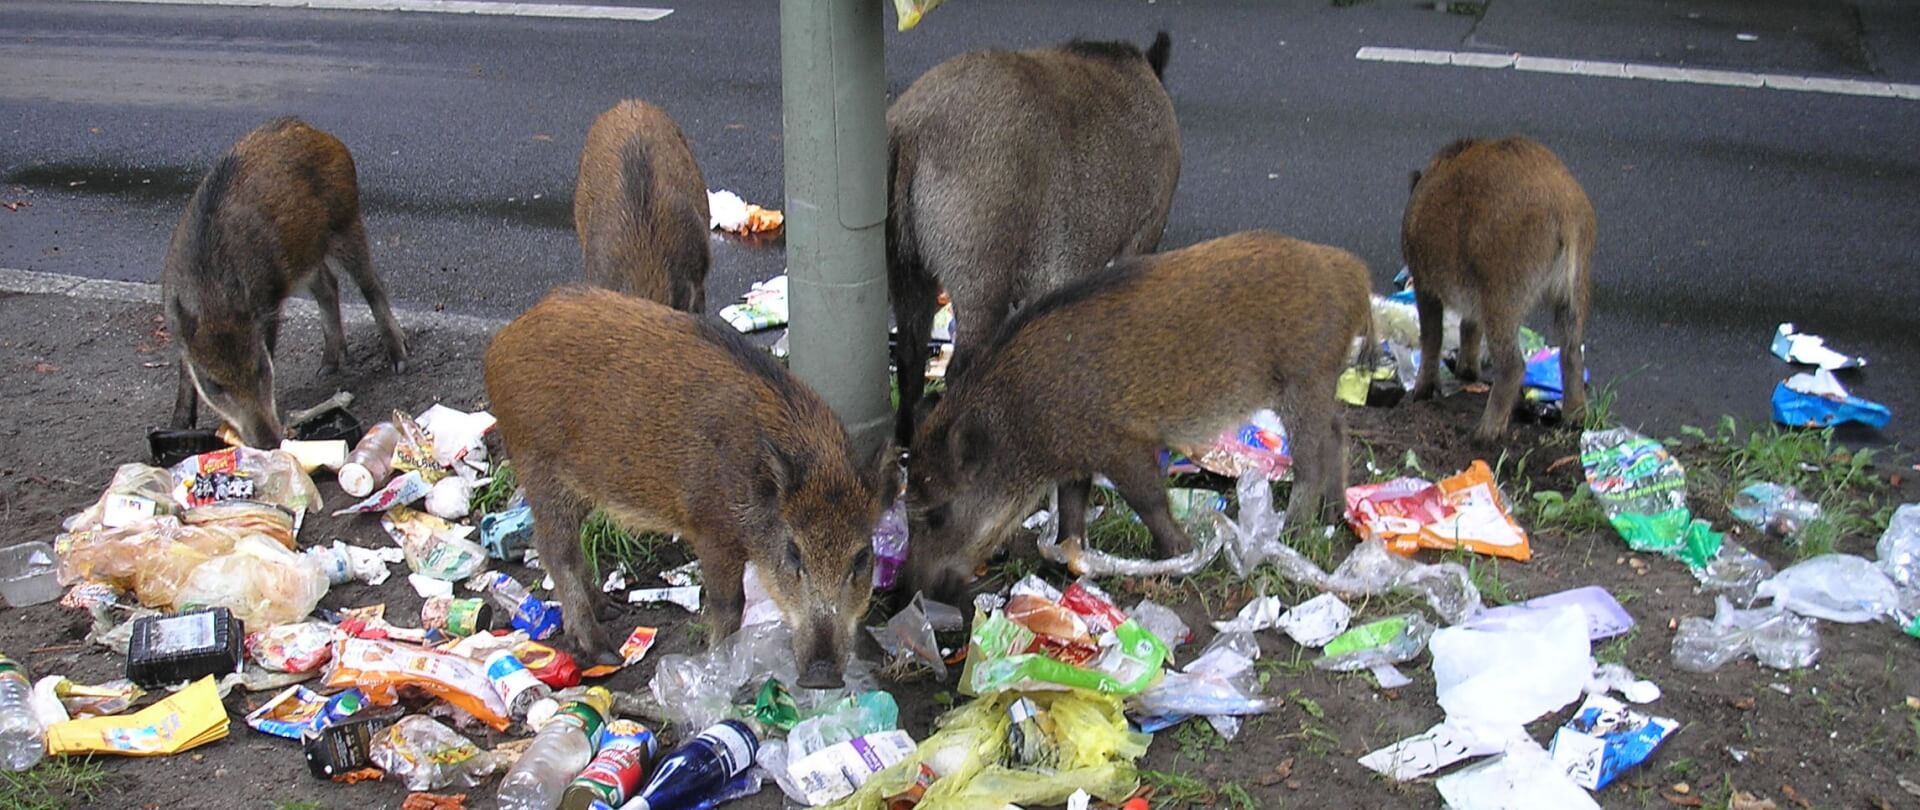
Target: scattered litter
(1040, 640)
(1258, 448)
(1316, 621)
(1387, 641)
(1503, 673)
(1219, 684)
(506, 535)
(1162, 622)
(1777, 638)
(428, 587)
(838, 770)
(1899, 547)
(727, 212)
(1605, 738)
(1818, 400)
(163, 650)
(378, 668)
(187, 719)
(909, 13)
(1605, 617)
(1464, 511)
(1082, 560)
(1834, 587)
(1261, 613)
(913, 631)
(687, 597)
(427, 755)
(1643, 490)
(1778, 510)
(1523, 777)
(1431, 750)
(432, 546)
(631, 651)
(299, 712)
(763, 307)
(1794, 346)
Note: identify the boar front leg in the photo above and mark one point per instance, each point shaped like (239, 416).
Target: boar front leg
(1145, 490)
(557, 515)
(186, 400)
(722, 562)
(1073, 509)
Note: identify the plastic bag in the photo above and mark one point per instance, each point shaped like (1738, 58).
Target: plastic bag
(696, 691)
(1777, 510)
(300, 647)
(428, 755)
(433, 547)
(1254, 537)
(1388, 641)
(1063, 642)
(910, 11)
(1372, 569)
(1644, 493)
(379, 668)
(1504, 673)
(1462, 511)
(1092, 748)
(246, 517)
(1316, 621)
(1777, 638)
(1083, 560)
(911, 631)
(1899, 547)
(261, 582)
(1162, 622)
(1220, 681)
(1835, 587)
(243, 473)
(1523, 778)
(855, 716)
(137, 492)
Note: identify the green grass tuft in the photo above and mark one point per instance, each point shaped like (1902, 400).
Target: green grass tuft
(56, 783)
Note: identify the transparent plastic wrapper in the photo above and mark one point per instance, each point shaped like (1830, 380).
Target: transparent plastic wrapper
(1316, 621)
(242, 518)
(696, 691)
(1162, 622)
(150, 557)
(262, 582)
(1090, 747)
(1521, 779)
(1388, 641)
(136, 492)
(1777, 638)
(1778, 510)
(1506, 672)
(890, 545)
(243, 473)
(854, 716)
(1899, 547)
(299, 647)
(1220, 682)
(433, 547)
(910, 11)
(1259, 613)
(1084, 560)
(911, 631)
(1836, 587)
(428, 756)
(1255, 537)
(1258, 449)
(1371, 569)
(1042, 639)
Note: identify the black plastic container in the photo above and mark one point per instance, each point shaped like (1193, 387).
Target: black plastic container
(333, 423)
(184, 646)
(170, 447)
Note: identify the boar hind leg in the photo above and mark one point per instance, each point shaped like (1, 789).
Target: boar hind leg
(1570, 329)
(915, 299)
(186, 400)
(1145, 490)
(1313, 452)
(1509, 371)
(1467, 366)
(348, 254)
(557, 515)
(1073, 509)
(326, 293)
(1432, 322)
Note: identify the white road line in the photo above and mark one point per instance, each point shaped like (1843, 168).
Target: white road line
(31, 282)
(1628, 70)
(631, 14)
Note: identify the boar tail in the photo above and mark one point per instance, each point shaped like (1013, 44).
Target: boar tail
(903, 250)
(1157, 55)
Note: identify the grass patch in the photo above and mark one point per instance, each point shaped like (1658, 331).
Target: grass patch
(494, 496)
(1118, 530)
(56, 783)
(1195, 738)
(1599, 415)
(1235, 796)
(1615, 650)
(1853, 499)
(1571, 514)
(298, 804)
(1178, 788)
(605, 540)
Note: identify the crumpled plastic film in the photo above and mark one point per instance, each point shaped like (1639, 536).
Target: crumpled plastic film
(1777, 638)
(1084, 560)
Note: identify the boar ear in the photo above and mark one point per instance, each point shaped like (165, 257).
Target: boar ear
(782, 475)
(968, 443)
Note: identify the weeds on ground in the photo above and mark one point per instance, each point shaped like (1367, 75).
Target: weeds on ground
(1615, 650)
(1599, 415)
(1571, 514)
(1179, 789)
(1853, 500)
(499, 490)
(54, 784)
(605, 540)
(1196, 737)
(298, 804)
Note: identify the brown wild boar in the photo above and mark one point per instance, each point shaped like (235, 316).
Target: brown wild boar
(640, 208)
(1012, 173)
(278, 206)
(1096, 377)
(675, 423)
(1492, 229)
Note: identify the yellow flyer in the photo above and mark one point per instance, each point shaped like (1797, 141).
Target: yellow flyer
(190, 718)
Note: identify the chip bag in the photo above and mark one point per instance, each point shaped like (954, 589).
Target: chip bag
(1464, 511)
(380, 668)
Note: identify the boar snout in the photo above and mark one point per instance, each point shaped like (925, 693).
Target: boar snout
(820, 653)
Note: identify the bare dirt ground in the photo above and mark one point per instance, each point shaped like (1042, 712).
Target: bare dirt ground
(83, 380)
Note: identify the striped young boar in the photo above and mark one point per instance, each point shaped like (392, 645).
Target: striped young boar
(280, 210)
(1494, 228)
(640, 208)
(1095, 378)
(674, 423)
(1012, 173)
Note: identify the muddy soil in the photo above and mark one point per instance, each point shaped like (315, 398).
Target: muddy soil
(84, 380)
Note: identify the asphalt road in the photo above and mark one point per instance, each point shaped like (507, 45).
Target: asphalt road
(1723, 210)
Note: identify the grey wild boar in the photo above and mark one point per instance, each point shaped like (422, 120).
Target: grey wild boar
(675, 423)
(1012, 173)
(1493, 228)
(280, 210)
(1095, 378)
(640, 208)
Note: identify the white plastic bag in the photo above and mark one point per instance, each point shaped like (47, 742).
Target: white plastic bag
(1507, 671)
(1835, 587)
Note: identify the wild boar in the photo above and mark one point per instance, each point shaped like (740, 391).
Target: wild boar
(675, 423)
(283, 202)
(1096, 377)
(640, 208)
(1012, 173)
(1493, 228)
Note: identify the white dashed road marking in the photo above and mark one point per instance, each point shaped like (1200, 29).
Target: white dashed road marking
(1628, 70)
(569, 12)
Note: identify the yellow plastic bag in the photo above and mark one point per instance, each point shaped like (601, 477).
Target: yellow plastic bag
(911, 11)
(1096, 753)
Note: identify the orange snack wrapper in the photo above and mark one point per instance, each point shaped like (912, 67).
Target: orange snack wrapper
(380, 667)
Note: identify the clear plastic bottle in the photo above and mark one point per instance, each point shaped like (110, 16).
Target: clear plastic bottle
(527, 611)
(23, 742)
(562, 749)
(699, 768)
(370, 462)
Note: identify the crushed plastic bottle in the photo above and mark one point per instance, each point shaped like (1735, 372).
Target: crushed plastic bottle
(1778, 510)
(1777, 638)
(561, 750)
(23, 741)
(1388, 641)
(1899, 547)
(1835, 587)
(529, 613)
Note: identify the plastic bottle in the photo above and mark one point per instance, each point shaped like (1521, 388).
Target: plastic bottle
(698, 768)
(615, 772)
(370, 462)
(563, 748)
(23, 742)
(528, 612)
